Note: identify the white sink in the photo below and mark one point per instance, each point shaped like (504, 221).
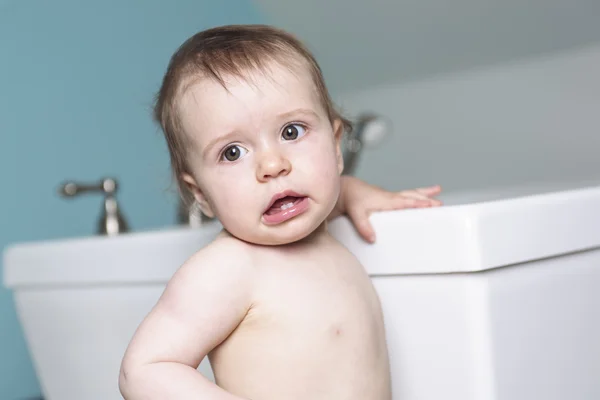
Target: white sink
(436, 270)
(501, 227)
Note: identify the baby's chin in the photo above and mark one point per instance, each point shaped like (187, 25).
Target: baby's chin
(283, 234)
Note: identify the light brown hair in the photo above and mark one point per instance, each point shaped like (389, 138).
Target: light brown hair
(215, 53)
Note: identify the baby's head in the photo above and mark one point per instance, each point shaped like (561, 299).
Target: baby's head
(252, 132)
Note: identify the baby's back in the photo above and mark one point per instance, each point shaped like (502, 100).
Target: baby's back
(314, 329)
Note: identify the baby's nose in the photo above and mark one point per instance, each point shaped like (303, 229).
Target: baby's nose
(272, 165)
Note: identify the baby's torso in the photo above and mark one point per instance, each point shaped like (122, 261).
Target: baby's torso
(314, 331)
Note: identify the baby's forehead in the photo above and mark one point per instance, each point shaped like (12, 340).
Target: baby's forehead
(270, 73)
(259, 95)
(275, 81)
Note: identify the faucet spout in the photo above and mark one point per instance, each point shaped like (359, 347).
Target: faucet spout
(368, 131)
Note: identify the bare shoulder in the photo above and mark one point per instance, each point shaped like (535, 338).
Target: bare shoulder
(224, 253)
(225, 261)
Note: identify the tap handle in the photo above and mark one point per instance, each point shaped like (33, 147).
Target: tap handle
(108, 186)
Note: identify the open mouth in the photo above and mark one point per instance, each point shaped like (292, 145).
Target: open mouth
(285, 206)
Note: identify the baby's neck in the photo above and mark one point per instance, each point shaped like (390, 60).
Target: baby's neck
(319, 234)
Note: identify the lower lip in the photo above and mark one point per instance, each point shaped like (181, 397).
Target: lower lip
(287, 214)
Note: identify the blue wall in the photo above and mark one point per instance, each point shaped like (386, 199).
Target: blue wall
(77, 81)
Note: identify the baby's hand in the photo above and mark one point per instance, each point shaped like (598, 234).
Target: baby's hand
(359, 199)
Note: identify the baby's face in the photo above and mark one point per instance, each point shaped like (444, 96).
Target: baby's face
(266, 160)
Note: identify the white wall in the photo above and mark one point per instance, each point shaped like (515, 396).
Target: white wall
(361, 43)
(535, 120)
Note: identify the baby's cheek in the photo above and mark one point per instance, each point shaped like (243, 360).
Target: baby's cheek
(326, 180)
(233, 195)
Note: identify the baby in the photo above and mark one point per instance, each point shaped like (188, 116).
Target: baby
(282, 310)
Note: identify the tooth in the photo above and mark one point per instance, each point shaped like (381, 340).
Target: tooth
(286, 206)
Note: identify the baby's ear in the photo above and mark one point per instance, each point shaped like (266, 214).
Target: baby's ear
(198, 195)
(338, 133)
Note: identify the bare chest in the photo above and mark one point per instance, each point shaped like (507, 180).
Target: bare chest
(328, 293)
(315, 320)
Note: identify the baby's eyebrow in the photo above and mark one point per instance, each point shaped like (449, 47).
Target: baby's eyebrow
(298, 112)
(227, 137)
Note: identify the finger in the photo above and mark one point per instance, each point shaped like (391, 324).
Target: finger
(430, 191)
(413, 194)
(422, 193)
(401, 202)
(395, 201)
(413, 199)
(363, 226)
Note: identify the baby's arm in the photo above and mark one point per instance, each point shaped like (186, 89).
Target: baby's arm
(202, 304)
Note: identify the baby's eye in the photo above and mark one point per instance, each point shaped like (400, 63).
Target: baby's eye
(293, 132)
(233, 153)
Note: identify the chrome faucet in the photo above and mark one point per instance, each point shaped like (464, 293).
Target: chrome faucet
(111, 221)
(368, 131)
(191, 215)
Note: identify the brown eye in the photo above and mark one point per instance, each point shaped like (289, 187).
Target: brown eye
(233, 153)
(293, 132)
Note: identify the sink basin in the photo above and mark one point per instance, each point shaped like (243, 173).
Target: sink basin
(441, 274)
